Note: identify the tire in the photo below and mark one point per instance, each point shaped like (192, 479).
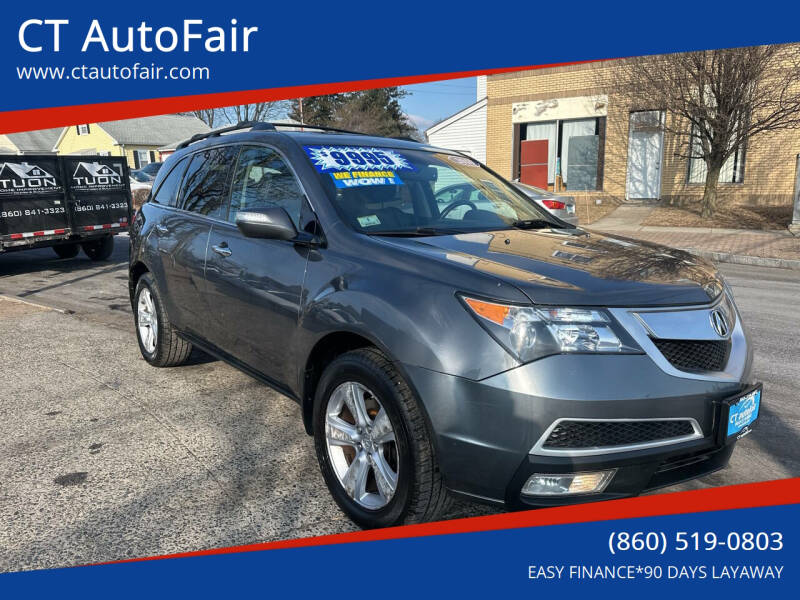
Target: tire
(165, 348)
(67, 250)
(99, 249)
(419, 494)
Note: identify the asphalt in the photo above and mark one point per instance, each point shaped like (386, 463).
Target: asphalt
(104, 457)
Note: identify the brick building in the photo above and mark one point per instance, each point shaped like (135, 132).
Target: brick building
(536, 118)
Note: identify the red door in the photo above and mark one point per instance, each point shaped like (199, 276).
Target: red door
(533, 162)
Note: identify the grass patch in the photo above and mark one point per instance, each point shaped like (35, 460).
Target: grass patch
(728, 216)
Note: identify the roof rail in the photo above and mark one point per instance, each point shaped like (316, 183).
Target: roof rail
(267, 126)
(253, 125)
(318, 128)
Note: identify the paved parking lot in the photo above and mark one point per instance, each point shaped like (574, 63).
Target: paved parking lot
(103, 457)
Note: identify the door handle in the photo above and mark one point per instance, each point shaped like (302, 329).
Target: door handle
(161, 228)
(222, 249)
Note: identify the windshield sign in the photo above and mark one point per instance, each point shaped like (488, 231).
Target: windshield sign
(386, 191)
(356, 166)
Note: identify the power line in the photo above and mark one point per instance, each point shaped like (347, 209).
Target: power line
(452, 85)
(465, 93)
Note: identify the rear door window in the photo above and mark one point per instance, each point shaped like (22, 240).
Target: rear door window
(263, 180)
(205, 185)
(167, 194)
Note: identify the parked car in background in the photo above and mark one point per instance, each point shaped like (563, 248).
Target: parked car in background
(140, 179)
(141, 184)
(561, 206)
(454, 340)
(469, 196)
(152, 168)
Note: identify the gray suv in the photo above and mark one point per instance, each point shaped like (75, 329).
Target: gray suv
(480, 348)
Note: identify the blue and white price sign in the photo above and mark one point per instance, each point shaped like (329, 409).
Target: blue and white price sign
(331, 159)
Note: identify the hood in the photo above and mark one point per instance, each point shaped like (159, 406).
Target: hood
(577, 267)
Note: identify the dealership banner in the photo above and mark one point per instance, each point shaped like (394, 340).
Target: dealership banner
(737, 542)
(76, 58)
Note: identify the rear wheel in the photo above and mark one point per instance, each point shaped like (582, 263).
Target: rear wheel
(67, 250)
(373, 444)
(99, 249)
(159, 343)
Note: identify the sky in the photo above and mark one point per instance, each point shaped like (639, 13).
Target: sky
(429, 103)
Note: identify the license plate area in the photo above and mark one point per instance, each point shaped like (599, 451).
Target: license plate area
(738, 414)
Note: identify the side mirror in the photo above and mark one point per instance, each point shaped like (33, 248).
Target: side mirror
(271, 223)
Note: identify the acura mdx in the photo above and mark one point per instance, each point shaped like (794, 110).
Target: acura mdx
(443, 334)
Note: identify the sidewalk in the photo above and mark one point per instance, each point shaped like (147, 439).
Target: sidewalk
(764, 248)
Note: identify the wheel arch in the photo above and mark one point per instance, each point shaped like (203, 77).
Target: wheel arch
(324, 352)
(135, 273)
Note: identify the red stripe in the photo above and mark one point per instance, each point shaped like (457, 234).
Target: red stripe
(38, 233)
(59, 231)
(106, 226)
(767, 493)
(59, 116)
(88, 228)
(16, 236)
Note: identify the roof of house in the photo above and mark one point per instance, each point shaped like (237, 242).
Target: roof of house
(154, 131)
(40, 140)
(456, 117)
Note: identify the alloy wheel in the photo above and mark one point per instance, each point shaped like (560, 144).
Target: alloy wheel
(147, 321)
(362, 445)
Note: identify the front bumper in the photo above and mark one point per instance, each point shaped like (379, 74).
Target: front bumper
(485, 430)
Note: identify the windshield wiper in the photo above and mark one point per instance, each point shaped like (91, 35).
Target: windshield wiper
(417, 232)
(535, 224)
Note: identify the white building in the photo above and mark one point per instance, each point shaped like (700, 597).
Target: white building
(466, 130)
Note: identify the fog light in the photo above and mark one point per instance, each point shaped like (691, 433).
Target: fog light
(556, 484)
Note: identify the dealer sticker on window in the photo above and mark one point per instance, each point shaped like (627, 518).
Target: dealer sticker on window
(369, 221)
(356, 166)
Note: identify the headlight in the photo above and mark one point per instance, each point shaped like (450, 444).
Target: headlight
(533, 332)
(728, 304)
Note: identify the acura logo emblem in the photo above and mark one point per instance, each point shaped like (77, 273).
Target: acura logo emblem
(719, 323)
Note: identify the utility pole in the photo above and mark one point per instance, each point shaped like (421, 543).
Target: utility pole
(300, 102)
(794, 226)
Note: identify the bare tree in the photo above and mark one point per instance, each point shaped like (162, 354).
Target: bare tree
(260, 111)
(240, 113)
(207, 115)
(718, 101)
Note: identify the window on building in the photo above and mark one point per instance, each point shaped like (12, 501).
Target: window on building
(83, 129)
(142, 158)
(732, 170)
(572, 142)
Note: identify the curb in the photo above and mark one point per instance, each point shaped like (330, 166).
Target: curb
(743, 259)
(29, 303)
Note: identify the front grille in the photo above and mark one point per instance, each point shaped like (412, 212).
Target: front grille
(695, 355)
(599, 434)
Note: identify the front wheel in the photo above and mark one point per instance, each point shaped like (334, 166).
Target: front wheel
(373, 444)
(99, 249)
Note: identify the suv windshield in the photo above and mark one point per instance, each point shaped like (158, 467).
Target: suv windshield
(387, 191)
